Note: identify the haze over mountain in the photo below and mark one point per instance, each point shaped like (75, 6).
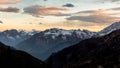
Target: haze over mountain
(43, 44)
(13, 37)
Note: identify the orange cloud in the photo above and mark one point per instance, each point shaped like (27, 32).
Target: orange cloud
(37, 10)
(96, 12)
(96, 16)
(9, 1)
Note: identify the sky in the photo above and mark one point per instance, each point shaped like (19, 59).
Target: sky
(93, 15)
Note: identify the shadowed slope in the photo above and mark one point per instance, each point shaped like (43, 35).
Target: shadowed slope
(12, 58)
(91, 53)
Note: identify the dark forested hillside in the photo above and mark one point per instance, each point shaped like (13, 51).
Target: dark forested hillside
(12, 58)
(102, 52)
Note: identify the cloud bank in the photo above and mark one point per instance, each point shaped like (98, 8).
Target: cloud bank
(9, 9)
(37, 10)
(97, 16)
(9, 1)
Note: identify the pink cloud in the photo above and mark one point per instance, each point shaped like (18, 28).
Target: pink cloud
(9, 1)
(96, 16)
(37, 10)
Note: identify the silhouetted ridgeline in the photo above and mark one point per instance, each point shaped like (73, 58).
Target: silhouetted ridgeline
(18, 59)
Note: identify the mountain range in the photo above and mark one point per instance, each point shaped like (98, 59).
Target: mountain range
(13, 37)
(41, 44)
(61, 48)
(100, 52)
(44, 43)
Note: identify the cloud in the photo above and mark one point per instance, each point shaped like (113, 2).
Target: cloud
(95, 16)
(108, 1)
(45, 0)
(68, 5)
(1, 22)
(113, 0)
(9, 1)
(38, 10)
(9, 9)
(40, 23)
(63, 14)
(118, 8)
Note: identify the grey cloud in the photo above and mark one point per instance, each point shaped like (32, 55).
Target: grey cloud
(95, 18)
(40, 23)
(45, 0)
(114, 0)
(1, 22)
(115, 8)
(9, 9)
(111, 0)
(68, 5)
(62, 14)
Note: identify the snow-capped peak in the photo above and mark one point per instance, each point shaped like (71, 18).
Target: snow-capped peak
(13, 36)
(55, 32)
(109, 29)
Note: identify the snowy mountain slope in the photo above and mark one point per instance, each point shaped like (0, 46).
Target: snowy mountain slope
(109, 29)
(43, 44)
(13, 37)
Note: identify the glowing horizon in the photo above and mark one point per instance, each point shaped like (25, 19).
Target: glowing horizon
(42, 15)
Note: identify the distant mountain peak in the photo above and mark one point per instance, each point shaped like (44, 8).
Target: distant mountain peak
(114, 25)
(13, 36)
(109, 29)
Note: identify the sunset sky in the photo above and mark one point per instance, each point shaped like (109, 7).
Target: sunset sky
(92, 15)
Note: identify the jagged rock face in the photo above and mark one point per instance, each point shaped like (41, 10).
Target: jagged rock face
(12, 58)
(102, 52)
(43, 44)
